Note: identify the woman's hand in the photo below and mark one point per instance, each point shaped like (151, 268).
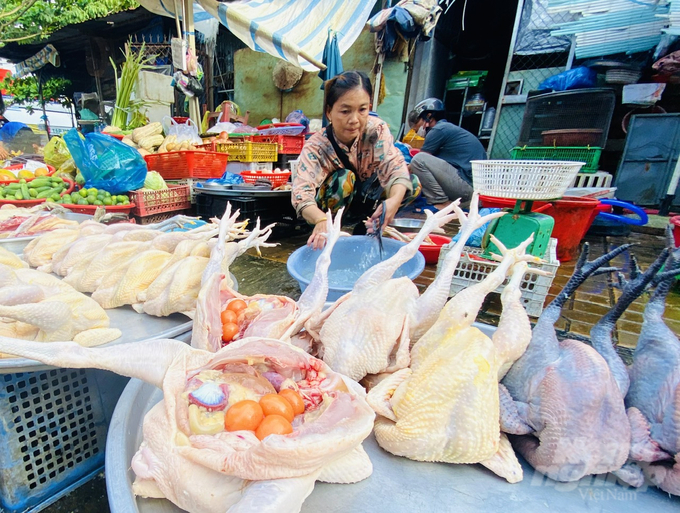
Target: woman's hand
(314, 215)
(4, 154)
(391, 207)
(317, 240)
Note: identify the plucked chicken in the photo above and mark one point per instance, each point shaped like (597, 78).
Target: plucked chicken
(249, 428)
(177, 287)
(565, 399)
(38, 306)
(370, 329)
(445, 407)
(261, 315)
(654, 394)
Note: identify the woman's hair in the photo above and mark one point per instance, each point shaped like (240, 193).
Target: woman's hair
(2, 105)
(345, 81)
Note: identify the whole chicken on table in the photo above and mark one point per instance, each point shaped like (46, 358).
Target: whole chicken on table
(653, 398)
(370, 329)
(445, 407)
(221, 440)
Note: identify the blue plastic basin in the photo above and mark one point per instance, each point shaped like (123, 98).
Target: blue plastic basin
(351, 256)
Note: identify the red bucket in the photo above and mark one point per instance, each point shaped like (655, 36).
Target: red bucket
(675, 221)
(573, 216)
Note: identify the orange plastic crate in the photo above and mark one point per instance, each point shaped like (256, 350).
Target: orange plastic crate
(277, 179)
(175, 197)
(287, 144)
(176, 165)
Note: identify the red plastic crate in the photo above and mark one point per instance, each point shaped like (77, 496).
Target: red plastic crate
(176, 165)
(288, 144)
(277, 179)
(175, 197)
(90, 209)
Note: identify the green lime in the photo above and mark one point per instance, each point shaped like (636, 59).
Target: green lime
(126, 201)
(107, 194)
(83, 193)
(98, 202)
(66, 200)
(121, 198)
(92, 191)
(107, 201)
(82, 201)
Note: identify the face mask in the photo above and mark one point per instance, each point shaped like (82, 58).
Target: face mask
(422, 131)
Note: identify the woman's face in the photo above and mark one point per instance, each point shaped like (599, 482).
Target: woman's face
(349, 115)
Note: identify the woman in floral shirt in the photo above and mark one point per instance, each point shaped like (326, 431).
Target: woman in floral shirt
(370, 167)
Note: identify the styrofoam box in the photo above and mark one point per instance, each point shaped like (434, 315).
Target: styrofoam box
(534, 287)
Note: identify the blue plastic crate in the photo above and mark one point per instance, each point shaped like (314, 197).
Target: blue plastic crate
(53, 426)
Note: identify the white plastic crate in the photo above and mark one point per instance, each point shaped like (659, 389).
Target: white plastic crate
(599, 179)
(237, 167)
(534, 287)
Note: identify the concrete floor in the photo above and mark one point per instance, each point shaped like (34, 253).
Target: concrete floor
(267, 274)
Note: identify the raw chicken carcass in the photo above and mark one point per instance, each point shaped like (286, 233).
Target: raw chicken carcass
(11, 259)
(369, 330)
(564, 398)
(654, 394)
(445, 407)
(268, 316)
(177, 287)
(231, 471)
(53, 308)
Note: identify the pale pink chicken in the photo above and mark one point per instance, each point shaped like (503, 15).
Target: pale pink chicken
(369, 330)
(231, 471)
(269, 316)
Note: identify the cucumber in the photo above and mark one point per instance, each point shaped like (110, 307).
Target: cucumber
(45, 194)
(39, 182)
(24, 191)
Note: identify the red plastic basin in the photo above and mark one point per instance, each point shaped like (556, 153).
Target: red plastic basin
(675, 221)
(431, 251)
(573, 216)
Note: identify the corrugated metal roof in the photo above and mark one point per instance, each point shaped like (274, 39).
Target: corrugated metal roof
(613, 26)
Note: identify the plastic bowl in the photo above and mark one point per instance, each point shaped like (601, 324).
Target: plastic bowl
(350, 258)
(431, 251)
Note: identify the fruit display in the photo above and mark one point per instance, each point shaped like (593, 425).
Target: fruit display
(11, 174)
(93, 196)
(42, 188)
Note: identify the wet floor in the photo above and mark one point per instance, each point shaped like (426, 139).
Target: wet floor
(266, 274)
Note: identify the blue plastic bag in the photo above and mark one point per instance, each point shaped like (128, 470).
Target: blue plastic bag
(226, 179)
(476, 237)
(576, 78)
(106, 163)
(404, 151)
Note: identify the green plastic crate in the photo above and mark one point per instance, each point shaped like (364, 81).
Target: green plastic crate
(588, 154)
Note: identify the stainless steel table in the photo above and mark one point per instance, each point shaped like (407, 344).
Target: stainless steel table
(398, 485)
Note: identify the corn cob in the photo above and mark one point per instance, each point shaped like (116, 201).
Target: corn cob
(146, 131)
(150, 142)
